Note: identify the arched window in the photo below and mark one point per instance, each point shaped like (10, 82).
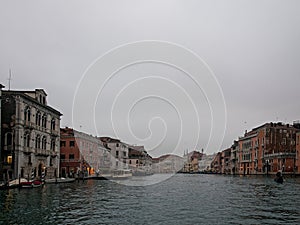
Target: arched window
(52, 147)
(53, 124)
(27, 113)
(38, 118)
(44, 121)
(44, 142)
(38, 141)
(27, 139)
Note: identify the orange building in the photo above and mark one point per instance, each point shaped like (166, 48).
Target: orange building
(297, 161)
(268, 148)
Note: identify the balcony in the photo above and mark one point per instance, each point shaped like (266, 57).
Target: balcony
(281, 155)
(28, 150)
(8, 148)
(42, 152)
(29, 124)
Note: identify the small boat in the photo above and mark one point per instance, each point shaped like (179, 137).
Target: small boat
(59, 180)
(31, 184)
(279, 177)
(11, 184)
(121, 174)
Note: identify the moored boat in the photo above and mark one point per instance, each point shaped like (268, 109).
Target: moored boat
(121, 174)
(31, 184)
(59, 180)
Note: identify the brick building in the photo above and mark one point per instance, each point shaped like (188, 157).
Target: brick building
(82, 152)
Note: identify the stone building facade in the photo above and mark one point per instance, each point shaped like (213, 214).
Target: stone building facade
(30, 135)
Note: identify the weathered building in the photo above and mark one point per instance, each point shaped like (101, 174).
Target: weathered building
(234, 159)
(191, 164)
(216, 164)
(30, 135)
(81, 152)
(118, 152)
(226, 167)
(268, 148)
(139, 161)
(168, 163)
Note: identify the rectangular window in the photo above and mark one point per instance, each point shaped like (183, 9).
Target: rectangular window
(71, 156)
(124, 154)
(117, 153)
(72, 143)
(9, 159)
(62, 143)
(62, 156)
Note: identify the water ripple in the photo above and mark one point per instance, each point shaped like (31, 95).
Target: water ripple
(183, 199)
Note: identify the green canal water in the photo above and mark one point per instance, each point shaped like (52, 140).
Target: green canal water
(181, 199)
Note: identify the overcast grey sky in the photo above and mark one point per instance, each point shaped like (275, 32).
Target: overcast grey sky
(252, 47)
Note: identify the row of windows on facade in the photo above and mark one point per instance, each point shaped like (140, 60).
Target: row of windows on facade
(117, 154)
(40, 120)
(72, 144)
(63, 143)
(38, 141)
(247, 145)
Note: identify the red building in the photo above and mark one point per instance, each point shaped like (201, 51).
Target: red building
(268, 148)
(81, 152)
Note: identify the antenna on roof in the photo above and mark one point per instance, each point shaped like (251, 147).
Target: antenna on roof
(9, 79)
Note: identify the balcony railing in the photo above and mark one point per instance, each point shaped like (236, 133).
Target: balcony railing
(8, 147)
(28, 150)
(281, 155)
(42, 152)
(70, 160)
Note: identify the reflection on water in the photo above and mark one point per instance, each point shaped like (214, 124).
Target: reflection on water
(182, 199)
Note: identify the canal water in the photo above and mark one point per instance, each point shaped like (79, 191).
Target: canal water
(181, 199)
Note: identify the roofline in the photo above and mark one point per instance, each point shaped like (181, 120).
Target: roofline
(22, 93)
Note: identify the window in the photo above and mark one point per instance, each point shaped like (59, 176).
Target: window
(117, 145)
(44, 142)
(72, 143)
(52, 145)
(53, 124)
(117, 153)
(27, 140)
(129, 161)
(27, 113)
(9, 159)
(62, 157)
(44, 121)
(38, 118)
(9, 139)
(71, 156)
(38, 141)
(124, 154)
(283, 141)
(62, 143)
